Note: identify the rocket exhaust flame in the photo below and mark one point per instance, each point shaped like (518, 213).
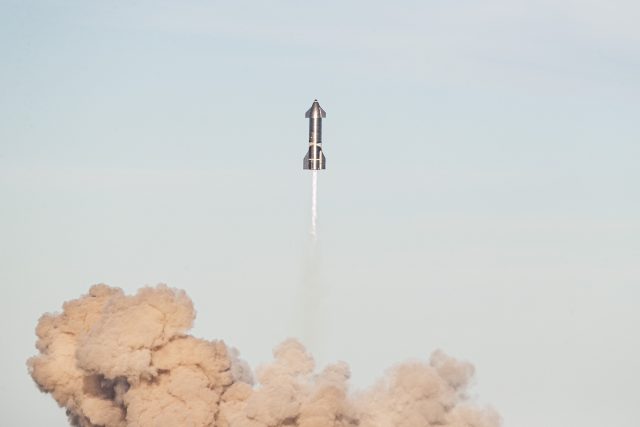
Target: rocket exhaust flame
(314, 205)
(116, 360)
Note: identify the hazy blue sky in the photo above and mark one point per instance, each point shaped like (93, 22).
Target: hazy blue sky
(482, 192)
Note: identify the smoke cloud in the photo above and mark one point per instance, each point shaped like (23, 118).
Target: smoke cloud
(115, 360)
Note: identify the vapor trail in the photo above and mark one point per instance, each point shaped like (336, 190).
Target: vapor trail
(314, 205)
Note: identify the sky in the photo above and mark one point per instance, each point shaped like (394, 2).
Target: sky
(481, 193)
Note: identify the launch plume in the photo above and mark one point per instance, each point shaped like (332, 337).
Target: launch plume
(115, 360)
(314, 205)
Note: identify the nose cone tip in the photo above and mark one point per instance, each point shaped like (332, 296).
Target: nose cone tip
(315, 111)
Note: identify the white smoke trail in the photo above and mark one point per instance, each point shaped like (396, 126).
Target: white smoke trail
(314, 205)
(311, 287)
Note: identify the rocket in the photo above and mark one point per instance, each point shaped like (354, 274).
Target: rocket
(314, 160)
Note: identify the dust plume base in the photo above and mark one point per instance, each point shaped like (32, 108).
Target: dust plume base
(116, 360)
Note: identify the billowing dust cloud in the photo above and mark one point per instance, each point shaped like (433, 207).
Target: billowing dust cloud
(115, 360)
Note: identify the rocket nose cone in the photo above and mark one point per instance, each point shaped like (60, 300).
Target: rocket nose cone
(315, 111)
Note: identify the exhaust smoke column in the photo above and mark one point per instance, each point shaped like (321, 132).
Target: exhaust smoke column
(314, 205)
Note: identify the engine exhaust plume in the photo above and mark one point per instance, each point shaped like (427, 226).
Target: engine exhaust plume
(314, 206)
(117, 360)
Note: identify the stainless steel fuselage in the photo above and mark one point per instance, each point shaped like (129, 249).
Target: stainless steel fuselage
(315, 160)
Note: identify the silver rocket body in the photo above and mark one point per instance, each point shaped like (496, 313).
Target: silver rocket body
(315, 160)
